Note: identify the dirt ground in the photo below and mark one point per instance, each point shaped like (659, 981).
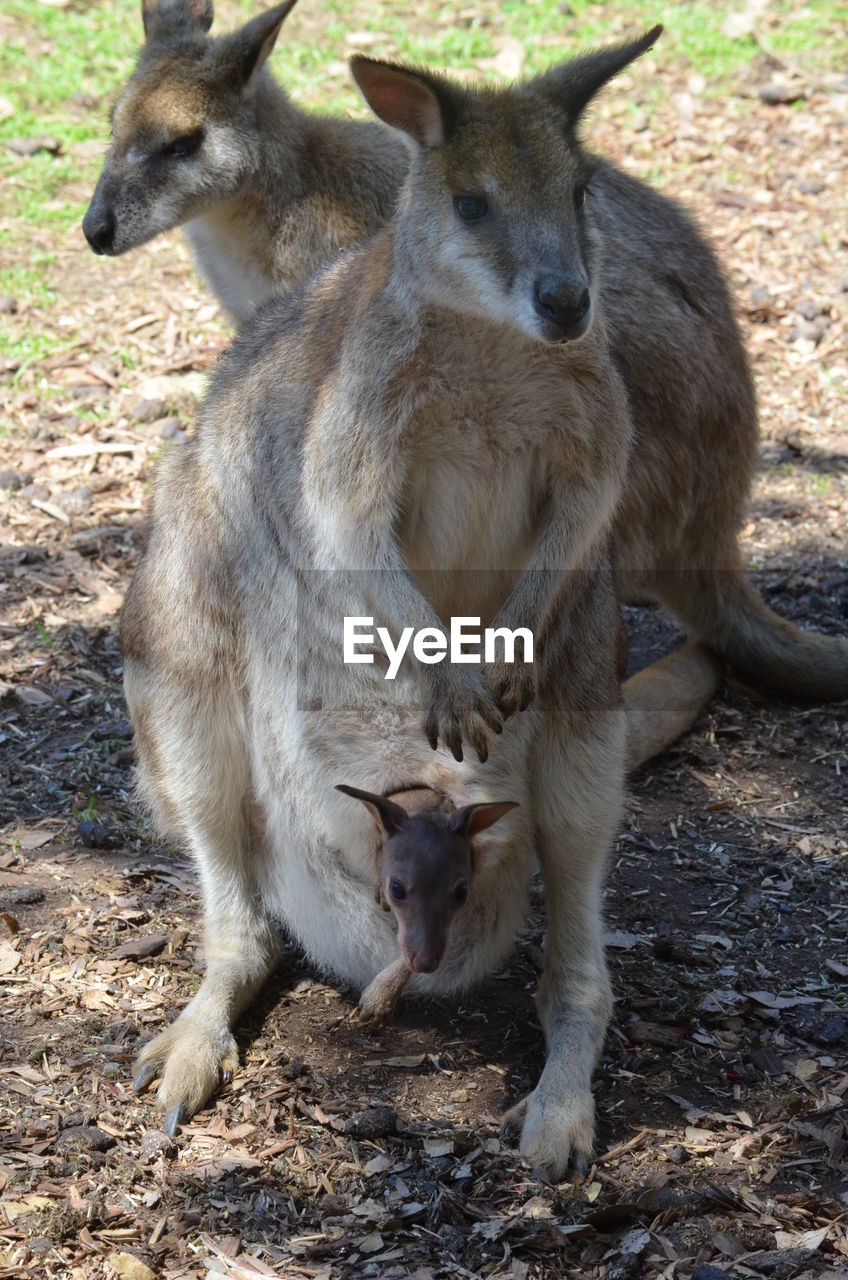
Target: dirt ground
(335, 1150)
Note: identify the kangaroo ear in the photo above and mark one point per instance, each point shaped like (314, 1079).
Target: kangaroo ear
(575, 83)
(160, 16)
(247, 49)
(390, 816)
(424, 106)
(475, 818)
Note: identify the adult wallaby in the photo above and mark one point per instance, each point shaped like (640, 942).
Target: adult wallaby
(433, 427)
(203, 135)
(426, 857)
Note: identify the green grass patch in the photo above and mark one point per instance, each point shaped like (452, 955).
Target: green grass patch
(57, 70)
(812, 34)
(60, 67)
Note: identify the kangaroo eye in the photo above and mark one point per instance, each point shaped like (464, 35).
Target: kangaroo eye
(460, 894)
(397, 891)
(580, 196)
(182, 147)
(470, 208)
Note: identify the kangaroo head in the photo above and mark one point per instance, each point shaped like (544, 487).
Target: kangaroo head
(426, 863)
(184, 129)
(495, 218)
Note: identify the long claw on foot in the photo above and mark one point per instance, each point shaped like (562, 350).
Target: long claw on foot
(144, 1075)
(174, 1119)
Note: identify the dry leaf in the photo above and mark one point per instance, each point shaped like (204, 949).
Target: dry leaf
(10, 958)
(127, 1266)
(370, 1243)
(438, 1146)
(414, 1060)
(800, 1239)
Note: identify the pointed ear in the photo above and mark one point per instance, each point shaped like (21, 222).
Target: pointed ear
(390, 816)
(160, 16)
(421, 104)
(247, 49)
(475, 818)
(575, 83)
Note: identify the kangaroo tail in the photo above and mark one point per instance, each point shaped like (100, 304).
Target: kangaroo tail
(662, 700)
(725, 610)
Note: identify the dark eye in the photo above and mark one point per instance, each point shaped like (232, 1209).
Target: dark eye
(397, 890)
(470, 208)
(460, 894)
(580, 196)
(182, 147)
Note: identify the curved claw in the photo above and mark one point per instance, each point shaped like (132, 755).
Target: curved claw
(174, 1119)
(514, 1118)
(144, 1075)
(581, 1164)
(226, 1076)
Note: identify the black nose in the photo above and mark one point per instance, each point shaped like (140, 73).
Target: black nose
(99, 231)
(565, 303)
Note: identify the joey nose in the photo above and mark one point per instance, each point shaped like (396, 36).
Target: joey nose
(99, 231)
(565, 304)
(422, 962)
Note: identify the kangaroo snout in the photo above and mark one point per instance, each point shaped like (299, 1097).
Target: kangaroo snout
(99, 230)
(565, 304)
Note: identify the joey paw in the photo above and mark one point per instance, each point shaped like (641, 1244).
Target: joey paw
(377, 1003)
(460, 707)
(374, 1013)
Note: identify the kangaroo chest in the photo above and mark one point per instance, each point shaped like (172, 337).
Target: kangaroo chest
(486, 452)
(230, 263)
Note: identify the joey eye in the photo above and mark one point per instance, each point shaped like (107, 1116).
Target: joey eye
(580, 196)
(397, 891)
(460, 894)
(470, 208)
(182, 147)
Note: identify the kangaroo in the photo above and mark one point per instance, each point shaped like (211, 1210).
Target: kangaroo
(350, 448)
(203, 135)
(426, 861)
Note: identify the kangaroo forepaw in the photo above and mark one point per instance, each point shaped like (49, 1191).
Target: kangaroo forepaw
(515, 685)
(460, 708)
(193, 1060)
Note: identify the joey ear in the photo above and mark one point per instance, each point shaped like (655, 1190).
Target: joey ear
(389, 815)
(475, 818)
(247, 49)
(424, 106)
(576, 82)
(161, 16)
